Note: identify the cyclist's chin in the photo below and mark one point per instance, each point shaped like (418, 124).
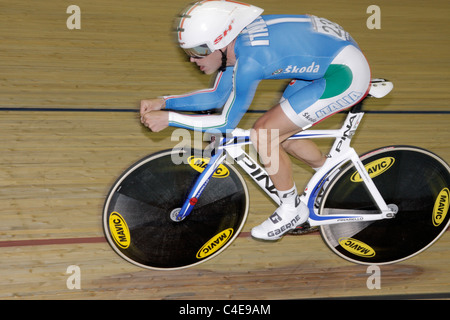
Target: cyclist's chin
(207, 70)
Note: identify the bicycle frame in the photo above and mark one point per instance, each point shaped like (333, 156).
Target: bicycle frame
(340, 153)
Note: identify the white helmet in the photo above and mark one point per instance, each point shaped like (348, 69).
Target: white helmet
(210, 25)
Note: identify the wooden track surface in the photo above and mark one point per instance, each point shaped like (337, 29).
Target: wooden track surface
(60, 159)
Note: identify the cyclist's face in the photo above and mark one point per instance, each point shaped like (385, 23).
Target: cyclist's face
(209, 64)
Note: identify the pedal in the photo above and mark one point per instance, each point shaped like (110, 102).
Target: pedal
(303, 229)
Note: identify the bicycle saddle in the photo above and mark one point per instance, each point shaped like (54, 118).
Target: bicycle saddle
(380, 88)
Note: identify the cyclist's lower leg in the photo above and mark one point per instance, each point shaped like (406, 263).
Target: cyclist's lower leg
(267, 135)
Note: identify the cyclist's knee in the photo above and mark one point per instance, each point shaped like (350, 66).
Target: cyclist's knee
(259, 137)
(256, 135)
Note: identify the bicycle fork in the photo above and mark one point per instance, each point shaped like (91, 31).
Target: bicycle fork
(180, 214)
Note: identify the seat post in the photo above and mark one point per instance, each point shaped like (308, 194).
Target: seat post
(358, 108)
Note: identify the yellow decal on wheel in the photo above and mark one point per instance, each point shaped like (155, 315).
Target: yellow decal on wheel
(356, 247)
(200, 164)
(119, 230)
(215, 243)
(375, 168)
(441, 207)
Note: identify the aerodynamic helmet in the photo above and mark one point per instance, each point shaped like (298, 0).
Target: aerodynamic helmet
(210, 25)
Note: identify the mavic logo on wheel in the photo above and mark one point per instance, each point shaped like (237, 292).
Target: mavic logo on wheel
(215, 243)
(200, 164)
(119, 230)
(441, 206)
(356, 247)
(375, 168)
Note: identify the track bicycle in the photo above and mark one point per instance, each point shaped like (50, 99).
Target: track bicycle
(178, 208)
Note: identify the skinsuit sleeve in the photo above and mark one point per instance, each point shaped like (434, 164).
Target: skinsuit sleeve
(206, 99)
(243, 80)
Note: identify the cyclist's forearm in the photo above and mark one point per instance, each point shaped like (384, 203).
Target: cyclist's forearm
(181, 104)
(199, 122)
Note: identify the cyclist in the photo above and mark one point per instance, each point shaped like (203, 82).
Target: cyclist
(328, 71)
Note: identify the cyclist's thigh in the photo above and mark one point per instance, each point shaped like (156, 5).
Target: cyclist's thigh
(344, 84)
(276, 119)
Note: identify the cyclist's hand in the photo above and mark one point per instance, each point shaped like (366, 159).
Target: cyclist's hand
(155, 120)
(152, 105)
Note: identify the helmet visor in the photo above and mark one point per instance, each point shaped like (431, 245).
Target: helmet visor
(198, 51)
